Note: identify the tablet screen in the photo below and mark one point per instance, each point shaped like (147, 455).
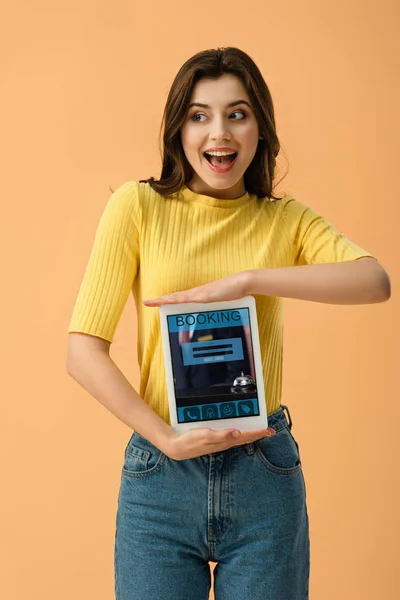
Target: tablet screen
(212, 364)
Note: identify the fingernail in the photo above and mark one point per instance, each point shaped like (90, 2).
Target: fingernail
(236, 434)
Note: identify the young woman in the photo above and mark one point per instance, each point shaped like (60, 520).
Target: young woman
(210, 229)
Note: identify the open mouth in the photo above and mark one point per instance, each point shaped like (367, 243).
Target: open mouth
(220, 161)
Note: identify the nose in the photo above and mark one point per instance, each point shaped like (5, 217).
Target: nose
(220, 130)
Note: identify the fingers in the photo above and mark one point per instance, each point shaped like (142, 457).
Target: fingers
(226, 438)
(246, 437)
(255, 433)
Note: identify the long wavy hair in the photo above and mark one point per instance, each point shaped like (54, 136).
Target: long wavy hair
(176, 170)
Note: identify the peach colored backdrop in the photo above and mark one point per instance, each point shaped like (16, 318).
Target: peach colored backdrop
(83, 87)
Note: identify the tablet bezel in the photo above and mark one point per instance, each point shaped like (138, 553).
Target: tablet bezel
(242, 423)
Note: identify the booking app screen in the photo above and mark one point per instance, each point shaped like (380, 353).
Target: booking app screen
(213, 365)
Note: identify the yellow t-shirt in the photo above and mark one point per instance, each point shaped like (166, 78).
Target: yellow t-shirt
(154, 245)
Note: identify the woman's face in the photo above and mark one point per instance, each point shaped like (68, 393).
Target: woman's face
(219, 125)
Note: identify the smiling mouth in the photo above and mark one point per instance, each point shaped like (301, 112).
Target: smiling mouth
(220, 161)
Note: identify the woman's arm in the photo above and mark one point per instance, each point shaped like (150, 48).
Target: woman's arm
(361, 281)
(89, 363)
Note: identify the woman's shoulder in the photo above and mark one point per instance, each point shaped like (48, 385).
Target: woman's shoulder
(288, 207)
(132, 193)
(275, 207)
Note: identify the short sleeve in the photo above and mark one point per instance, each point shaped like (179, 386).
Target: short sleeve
(314, 239)
(112, 266)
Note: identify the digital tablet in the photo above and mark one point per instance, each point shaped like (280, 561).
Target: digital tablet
(213, 365)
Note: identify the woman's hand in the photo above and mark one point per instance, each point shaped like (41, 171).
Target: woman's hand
(199, 441)
(228, 288)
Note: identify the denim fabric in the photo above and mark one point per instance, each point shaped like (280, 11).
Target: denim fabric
(243, 508)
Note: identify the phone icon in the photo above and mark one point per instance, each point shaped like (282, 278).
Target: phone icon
(192, 413)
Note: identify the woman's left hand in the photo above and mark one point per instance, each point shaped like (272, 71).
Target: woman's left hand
(228, 288)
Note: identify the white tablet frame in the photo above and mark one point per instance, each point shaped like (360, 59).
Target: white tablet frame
(242, 423)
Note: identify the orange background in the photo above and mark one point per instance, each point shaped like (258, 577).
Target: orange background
(83, 87)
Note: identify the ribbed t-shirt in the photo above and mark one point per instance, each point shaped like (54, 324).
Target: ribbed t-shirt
(150, 245)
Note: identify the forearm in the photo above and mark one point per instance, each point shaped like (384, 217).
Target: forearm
(97, 373)
(361, 281)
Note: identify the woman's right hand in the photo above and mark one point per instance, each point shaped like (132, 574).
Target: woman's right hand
(204, 440)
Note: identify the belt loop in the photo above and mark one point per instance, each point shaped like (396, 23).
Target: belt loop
(250, 448)
(288, 413)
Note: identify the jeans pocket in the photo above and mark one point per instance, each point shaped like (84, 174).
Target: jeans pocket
(141, 457)
(279, 453)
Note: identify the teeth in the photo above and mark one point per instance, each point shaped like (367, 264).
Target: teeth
(220, 153)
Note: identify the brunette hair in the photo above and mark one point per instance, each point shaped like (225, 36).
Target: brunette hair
(176, 170)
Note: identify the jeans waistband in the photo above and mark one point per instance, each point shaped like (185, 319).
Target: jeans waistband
(277, 420)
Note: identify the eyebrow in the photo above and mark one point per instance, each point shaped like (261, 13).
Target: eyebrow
(228, 105)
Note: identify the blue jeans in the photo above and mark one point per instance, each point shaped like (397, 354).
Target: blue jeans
(243, 508)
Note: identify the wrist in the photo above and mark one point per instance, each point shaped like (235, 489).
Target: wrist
(247, 281)
(167, 443)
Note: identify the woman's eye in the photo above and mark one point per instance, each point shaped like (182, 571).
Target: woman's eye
(237, 112)
(193, 117)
